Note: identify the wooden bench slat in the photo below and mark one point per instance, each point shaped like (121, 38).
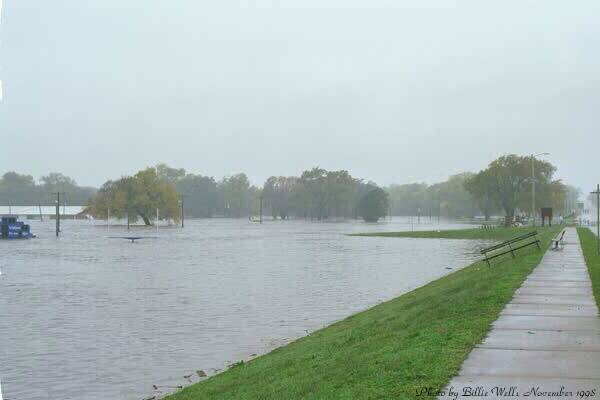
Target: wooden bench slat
(558, 239)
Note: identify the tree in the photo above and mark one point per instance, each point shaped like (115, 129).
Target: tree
(551, 194)
(18, 189)
(15, 180)
(455, 200)
(374, 205)
(508, 180)
(509, 176)
(544, 186)
(200, 192)
(481, 187)
(22, 190)
(202, 196)
(254, 194)
(170, 174)
(449, 198)
(235, 196)
(138, 196)
(277, 195)
(407, 199)
(55, 181)
(71, 193)
(340, 188)
(312, 192)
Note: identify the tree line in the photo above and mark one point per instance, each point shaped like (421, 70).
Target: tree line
(24, 190)
(316, 194)
(508, 184)
(320, 194)
(502, 188)
(449, 199)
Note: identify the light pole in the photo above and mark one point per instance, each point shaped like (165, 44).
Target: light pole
(533, 156)
(597, 193)
(57, 213)
(261, 208)
(182, 207)
(182, 212)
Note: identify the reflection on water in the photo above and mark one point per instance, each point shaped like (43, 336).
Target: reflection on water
(88, 317)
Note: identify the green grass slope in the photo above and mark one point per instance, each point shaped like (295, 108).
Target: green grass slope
(499, 234)
(589, 245)
(391, 351)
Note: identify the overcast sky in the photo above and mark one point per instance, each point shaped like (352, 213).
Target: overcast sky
(393, 91)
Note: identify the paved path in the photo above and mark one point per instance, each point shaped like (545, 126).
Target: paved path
(547, 337)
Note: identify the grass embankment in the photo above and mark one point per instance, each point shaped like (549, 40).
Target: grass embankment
(499, 234)
(390, 351)
(589, 245)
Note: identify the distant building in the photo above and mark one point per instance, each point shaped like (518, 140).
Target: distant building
(24, 211)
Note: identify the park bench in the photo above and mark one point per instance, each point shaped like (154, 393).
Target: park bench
(558, 239)
(510, 246)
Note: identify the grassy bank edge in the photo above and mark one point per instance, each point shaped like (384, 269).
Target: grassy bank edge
(592, 259)
(417, 340)
(472, 234)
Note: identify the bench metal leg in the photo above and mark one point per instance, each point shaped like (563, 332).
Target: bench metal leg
(512, 252)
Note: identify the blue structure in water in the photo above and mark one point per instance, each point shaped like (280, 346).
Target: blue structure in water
(10, 228)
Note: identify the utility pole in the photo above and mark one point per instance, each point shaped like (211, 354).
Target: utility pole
(40, 208)
(597, 193)
(182, 213)
(57, 213)
(533, 189)
(261, 208)
(439, 207)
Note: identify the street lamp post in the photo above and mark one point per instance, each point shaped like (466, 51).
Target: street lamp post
(597, 193)
(182, 197)
(182, 211)
(261, 208)
(57, 213)
(533, 156)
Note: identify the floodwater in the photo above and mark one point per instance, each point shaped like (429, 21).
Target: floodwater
(87, 316)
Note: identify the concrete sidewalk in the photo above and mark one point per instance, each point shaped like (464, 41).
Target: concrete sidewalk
(546, 342)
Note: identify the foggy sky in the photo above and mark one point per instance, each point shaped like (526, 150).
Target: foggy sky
(393, 91)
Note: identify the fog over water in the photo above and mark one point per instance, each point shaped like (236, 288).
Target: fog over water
(393, 91)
